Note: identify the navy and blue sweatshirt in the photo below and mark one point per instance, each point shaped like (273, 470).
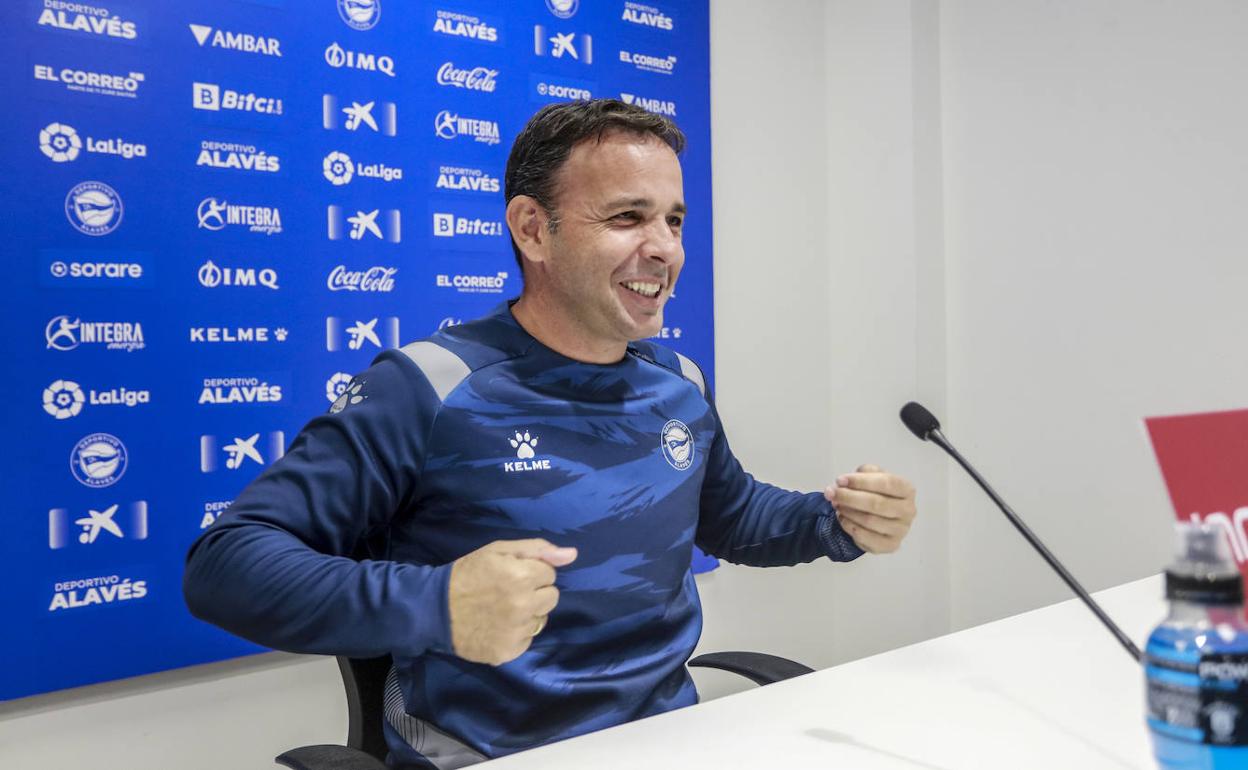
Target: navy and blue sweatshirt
(481, 433)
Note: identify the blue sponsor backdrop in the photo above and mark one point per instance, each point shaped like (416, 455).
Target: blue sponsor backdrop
(215, 213)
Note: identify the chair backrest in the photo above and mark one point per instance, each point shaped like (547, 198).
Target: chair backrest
(365, 682)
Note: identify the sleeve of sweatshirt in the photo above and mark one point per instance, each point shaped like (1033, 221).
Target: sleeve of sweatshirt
(275, 567)
(746, 521)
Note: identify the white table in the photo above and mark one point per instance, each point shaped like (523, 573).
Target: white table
(1046, 689)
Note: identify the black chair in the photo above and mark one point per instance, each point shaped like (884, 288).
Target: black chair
(365, 681)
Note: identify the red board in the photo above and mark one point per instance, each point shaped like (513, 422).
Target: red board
(1204, 460)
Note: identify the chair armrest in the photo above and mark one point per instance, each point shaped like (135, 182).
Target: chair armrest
(758, 667)
(328, 757)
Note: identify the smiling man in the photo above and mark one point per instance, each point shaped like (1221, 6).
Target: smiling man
(527, 488)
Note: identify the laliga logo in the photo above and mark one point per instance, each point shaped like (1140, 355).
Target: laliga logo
(60, 142)
(677, 444)
(93, 208)
(63, 399)
(338, 168)
(362, 15)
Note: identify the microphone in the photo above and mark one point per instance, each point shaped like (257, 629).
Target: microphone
(924, 424)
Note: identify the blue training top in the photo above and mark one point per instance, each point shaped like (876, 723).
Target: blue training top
(481, 433)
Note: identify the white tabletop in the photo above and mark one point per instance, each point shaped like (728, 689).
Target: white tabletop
(1047, 689)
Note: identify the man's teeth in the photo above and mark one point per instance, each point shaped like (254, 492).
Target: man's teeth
(645, 289)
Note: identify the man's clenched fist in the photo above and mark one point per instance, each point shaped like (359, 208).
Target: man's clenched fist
(500, 595)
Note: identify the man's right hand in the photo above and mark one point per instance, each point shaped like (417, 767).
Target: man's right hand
(500, 595)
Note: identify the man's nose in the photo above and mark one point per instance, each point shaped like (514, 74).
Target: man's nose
(662, 244)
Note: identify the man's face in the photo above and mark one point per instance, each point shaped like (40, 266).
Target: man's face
(616, 252)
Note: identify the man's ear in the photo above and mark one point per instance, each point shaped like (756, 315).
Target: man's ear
(527, 221)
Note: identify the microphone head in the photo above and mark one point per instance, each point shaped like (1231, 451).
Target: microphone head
(920, 421)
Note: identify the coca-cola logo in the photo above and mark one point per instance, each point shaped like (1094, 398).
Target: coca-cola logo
(373, 279)
(475, 79)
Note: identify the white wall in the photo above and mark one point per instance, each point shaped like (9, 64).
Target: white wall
(1095, 189)
(817, 329)
(1021, 214)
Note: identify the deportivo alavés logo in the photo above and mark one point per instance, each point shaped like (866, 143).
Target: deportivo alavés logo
(360, 14)
(677, 443)
(99, 460)
(93, 208)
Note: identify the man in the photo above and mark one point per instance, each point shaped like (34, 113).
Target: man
(528, 487)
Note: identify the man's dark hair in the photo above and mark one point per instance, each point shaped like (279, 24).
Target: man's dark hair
(545, 143)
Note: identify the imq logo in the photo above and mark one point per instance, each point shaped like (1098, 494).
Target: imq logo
(341, 58)
(258, 449)
(211, 276)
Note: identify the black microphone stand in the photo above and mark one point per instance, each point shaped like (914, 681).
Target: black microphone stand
(939, 439)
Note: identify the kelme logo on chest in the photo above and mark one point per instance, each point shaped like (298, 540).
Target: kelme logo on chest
(523, 443)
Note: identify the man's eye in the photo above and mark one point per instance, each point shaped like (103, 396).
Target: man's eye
(675, 222)
(627, 216)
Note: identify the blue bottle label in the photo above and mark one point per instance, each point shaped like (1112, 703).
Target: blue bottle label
(1199, 699)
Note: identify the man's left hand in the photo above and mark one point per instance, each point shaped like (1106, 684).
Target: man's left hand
(875, 508)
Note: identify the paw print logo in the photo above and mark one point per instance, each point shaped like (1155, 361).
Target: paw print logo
(350, 396)
(280, 333)
(523, 444)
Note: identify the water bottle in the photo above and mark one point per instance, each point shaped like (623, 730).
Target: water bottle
(1196, 661)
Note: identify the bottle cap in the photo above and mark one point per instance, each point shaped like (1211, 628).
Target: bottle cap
(1203, 571)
